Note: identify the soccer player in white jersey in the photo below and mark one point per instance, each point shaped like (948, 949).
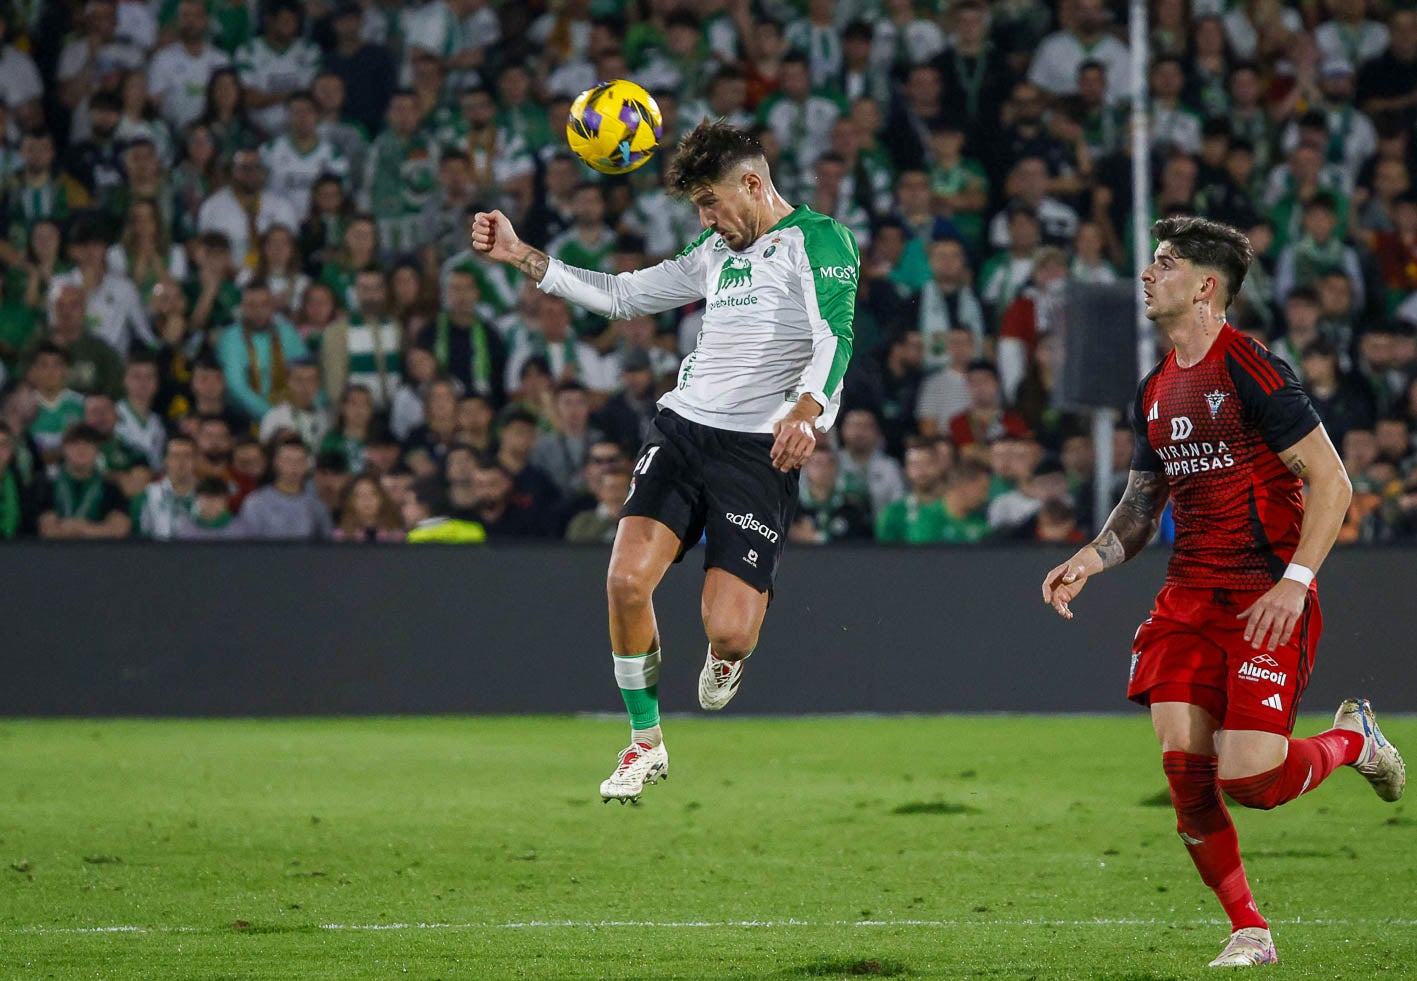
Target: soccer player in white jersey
(763, 381)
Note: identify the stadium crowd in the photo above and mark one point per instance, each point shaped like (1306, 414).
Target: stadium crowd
(237, 298)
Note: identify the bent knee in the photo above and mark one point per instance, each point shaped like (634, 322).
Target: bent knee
(628, 586)
(1181, 741)
(1247, 793)
(731, 642)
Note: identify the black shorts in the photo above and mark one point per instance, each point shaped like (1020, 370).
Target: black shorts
(696, 479)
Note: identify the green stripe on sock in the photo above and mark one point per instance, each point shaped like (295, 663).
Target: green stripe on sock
(643, 706)
(638, 677)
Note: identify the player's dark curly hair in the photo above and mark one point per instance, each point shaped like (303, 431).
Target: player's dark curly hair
(707, 153)
(1209, 243)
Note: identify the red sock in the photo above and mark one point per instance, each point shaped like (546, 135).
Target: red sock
(1309, 762)
(1205, 826)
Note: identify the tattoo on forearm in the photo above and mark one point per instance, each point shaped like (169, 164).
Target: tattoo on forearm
(1134, 520)
(533, 262)
(1110, 549)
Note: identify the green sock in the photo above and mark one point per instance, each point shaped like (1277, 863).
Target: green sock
(638, 678)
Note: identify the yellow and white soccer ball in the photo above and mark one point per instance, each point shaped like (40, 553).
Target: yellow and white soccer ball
(614, 127)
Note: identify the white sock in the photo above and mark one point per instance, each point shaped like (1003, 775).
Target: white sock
(652, 736)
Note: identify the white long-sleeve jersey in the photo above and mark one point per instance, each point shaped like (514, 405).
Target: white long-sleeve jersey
(777, 324)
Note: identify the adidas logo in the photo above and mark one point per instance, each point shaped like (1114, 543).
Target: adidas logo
(1251, 671)
(1155, 412)
(1274, 702)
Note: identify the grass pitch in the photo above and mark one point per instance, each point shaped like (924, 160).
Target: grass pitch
(919, 847)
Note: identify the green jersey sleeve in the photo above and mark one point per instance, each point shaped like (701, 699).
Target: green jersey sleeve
(829, 276)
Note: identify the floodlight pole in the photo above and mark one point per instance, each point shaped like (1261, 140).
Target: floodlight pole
(1141, 180)
(1104, 420)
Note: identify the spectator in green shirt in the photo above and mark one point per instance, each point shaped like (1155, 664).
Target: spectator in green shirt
(93, 365)
(232, 25)
(959, 184)
(966, 492)
(17, 321)
(211, 518)
(400, 175)
(829, 507)
(18, 486)
(56, 406)
(587, 244)
(80, 503)
(919, 517)
(1012, 460)
(114, 455)
(520, 112)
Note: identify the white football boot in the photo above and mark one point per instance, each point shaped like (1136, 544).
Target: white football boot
(1380, 761)
(1248, 947)
(718, 681)
(640, 763)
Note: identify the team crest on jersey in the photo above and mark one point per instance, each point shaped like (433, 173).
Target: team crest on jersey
(767, 253)
(737, 271)
(1214, 400)
(720, 245)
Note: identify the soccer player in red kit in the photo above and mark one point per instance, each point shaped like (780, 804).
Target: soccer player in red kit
(1224, 429)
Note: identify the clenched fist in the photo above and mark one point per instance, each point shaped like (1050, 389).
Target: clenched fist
(492, 233)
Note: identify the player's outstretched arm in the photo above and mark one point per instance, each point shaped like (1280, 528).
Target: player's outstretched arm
(1131, 525)
(492, 233)
(669, 284)
(1273, 617)
(1134, 520)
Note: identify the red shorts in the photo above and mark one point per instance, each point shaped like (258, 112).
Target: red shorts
(1193, 649)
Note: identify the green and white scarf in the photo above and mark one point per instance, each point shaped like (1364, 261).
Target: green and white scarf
(78, 499)
(480, 363)
(1312, 260)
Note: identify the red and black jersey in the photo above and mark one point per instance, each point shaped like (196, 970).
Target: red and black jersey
(1215, 430)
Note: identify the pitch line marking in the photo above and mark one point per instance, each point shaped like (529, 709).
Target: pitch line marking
(691, 925)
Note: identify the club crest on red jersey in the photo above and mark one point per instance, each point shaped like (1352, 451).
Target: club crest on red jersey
(1215, 400)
